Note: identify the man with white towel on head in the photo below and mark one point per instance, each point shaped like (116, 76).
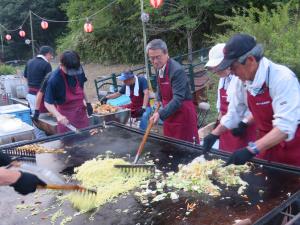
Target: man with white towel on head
(137, 89)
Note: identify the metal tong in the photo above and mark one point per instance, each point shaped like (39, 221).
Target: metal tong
(141, 167)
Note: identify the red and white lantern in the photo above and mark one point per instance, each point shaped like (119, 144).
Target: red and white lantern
(88, 27)
(8, 37)
(22, 33)
(156, 3)
(44, 25)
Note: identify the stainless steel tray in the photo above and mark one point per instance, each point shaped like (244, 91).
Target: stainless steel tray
(121, 116)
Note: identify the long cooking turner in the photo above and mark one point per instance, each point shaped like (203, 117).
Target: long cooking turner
(69, 187)
(52, 180)
(140, 167)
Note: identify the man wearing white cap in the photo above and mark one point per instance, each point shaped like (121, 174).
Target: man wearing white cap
(273, 97)
(228, 84)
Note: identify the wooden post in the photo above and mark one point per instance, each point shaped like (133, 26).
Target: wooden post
(145, 45)
(31, 31)
(2, 48)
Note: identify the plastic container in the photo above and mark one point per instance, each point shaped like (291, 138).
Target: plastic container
(122, 100)
(19, 111)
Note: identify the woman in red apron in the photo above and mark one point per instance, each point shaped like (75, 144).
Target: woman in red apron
(284, 152)
(64, 96)
(73, 108)
(229, 142)
(182, 124)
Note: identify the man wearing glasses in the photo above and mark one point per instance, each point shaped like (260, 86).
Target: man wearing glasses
(178, 112)
(273, 97)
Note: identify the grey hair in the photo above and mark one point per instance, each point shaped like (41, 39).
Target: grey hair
(257, 52)
(157, 44)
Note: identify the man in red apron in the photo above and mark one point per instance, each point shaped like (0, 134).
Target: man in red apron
(137, 89)
(178, 112)
(236, 138)
(39, 102)
(273, 97)
(35, 71)
(64, 96)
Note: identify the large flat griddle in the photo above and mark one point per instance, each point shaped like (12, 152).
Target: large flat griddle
(276, 182)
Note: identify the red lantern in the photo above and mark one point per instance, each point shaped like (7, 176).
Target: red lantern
(88, 27)
(44, 25)
(156, 3)
(8, 37)
(22, 33)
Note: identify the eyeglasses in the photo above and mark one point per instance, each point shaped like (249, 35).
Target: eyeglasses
(157, 57)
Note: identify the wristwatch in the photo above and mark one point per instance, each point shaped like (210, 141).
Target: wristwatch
(245, 120)
(253, 148)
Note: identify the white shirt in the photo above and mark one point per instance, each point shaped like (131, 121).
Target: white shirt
(284, 90)
(161, 72)
(43, 57)
(238, 107)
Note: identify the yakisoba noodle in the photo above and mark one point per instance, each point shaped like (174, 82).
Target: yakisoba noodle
(110, 182)
(199, 176)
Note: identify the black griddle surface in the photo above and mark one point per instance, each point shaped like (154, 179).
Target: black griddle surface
(277, 185)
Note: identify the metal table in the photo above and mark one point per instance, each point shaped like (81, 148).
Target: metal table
(25, 132)
(22, 101)
(278, 182)
(48, 123)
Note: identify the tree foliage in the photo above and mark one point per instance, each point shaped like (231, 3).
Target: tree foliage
(118, 32)
(13, 13)
(277, 29)
(7, 70)
(117, 35)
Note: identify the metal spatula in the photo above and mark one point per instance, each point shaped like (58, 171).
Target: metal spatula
(141, 167)
(72, 128)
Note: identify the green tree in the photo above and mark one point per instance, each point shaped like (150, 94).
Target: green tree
(193, 19)
(14, 12)
(277, 29)
(117, 35)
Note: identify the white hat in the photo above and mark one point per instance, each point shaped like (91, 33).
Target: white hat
(215, 55)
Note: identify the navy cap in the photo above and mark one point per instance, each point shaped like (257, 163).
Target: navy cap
(126, 75)
(237, 46)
